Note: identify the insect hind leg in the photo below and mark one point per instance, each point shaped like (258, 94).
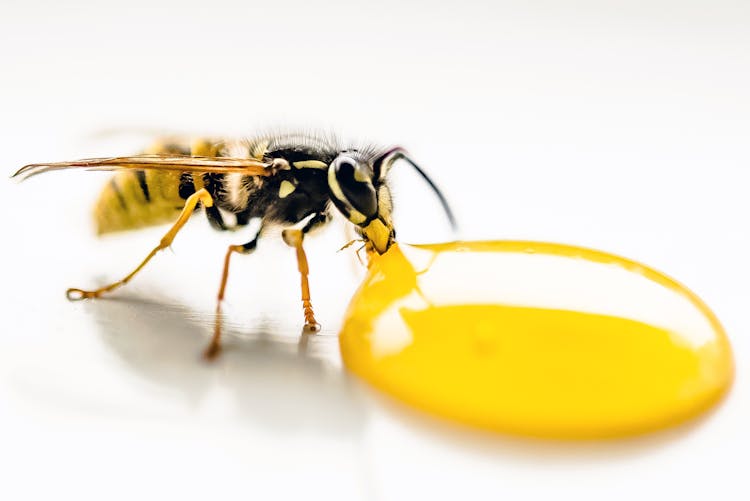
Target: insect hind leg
(200, 196)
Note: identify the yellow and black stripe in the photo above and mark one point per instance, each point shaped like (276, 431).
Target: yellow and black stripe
(137, 199)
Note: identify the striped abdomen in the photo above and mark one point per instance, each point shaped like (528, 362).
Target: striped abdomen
(137, 199)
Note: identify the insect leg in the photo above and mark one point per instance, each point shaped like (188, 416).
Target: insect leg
(215, 218)
(215, 345)
(212, 184)
(200, 196)
(293, 238)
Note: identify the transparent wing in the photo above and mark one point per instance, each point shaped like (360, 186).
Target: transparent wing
(180, 163)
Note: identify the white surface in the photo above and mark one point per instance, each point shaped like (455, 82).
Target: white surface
(621, 126)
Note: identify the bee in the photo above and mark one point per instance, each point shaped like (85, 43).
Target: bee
(293, 181)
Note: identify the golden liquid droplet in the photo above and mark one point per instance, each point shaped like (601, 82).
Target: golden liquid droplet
(536, 339)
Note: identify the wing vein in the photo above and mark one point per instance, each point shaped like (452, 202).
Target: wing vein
(180, 163)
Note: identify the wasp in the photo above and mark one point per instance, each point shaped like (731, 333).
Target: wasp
(290, 180)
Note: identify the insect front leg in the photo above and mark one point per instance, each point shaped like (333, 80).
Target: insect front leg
(200, 196)
(294, 238)
(215, 345)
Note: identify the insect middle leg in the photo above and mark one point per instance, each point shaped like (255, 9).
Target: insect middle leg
(215, 345)
(294, 238)
(200, 196)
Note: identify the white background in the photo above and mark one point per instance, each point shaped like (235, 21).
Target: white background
(621, 126)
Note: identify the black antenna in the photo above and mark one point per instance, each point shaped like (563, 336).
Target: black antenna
(399, 152)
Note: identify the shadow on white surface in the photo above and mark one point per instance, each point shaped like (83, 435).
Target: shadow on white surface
(491, 445)
(281, 383)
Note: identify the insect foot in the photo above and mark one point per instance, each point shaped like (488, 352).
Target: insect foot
(79, 295)
(293, 238)
(212, 351)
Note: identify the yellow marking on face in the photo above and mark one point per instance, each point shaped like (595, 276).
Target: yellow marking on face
(379, 234)
(356, 217)
(360, 176)
(310, 164)
(334, 184)
(285, 189)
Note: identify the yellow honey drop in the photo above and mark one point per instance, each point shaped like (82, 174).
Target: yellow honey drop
(536, 339)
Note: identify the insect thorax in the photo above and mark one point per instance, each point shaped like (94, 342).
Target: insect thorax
(297, 190)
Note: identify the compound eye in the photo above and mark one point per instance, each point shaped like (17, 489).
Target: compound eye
(354, 182)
